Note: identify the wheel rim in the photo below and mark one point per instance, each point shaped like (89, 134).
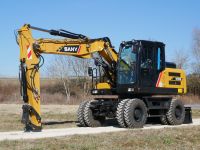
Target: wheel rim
(178, 112)
(138, 113)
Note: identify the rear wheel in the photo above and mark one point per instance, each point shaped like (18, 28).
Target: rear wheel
(176, 112)
(120, 113)
(90, 119)
(80, 114)
(164, 120)
(135, 113)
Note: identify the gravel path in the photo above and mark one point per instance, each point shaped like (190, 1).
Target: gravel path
(17, 135)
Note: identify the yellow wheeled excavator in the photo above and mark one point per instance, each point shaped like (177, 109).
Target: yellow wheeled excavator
(137, 83)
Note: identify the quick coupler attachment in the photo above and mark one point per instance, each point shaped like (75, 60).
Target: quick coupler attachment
(27, 110)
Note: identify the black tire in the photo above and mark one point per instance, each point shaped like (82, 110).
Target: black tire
(80, 114)
(176, 112)
(120, 113)
(90, 119)
(164, 120)
(135, 113)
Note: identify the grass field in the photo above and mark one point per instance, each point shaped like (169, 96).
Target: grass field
(174, 138)
(61, 116)
(53, 116)
(196, 113)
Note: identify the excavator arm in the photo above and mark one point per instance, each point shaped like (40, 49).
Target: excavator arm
(31, 60)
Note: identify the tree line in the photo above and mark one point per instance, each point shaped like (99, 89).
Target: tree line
(190, 61)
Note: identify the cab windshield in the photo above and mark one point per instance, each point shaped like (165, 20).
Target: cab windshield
(127, 66)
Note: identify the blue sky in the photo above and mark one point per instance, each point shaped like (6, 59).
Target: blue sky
(169, 21)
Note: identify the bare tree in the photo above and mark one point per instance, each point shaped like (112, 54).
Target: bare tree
(60, 68)
(196, 50)
(80, 68)
(181, 59)
(64, 68)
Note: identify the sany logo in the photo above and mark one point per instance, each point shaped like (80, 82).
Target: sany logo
(71, 49)
(29, 52)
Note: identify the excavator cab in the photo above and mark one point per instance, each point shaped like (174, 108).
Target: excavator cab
(141, 67)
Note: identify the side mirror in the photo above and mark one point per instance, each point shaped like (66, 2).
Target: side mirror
(90, 71)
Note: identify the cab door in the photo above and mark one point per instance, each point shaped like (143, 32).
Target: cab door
(126, 69)
(151, 64)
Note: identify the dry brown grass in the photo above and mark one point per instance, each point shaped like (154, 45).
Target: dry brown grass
(55, 116)
(196, 113)
(9, 91)
(17, 108)
(52, 92)
(170, 138)
(12, 122)
(190, 99)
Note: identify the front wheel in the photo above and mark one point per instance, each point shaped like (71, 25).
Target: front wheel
(135, 113)
(120, 113)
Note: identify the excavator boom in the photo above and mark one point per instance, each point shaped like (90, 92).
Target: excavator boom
(31, 60)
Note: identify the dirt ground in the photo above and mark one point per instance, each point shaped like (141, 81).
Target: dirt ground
(53, 116)
(58, 109)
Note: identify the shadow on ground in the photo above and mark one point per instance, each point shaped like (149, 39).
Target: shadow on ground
(58, 122)
(109, 122)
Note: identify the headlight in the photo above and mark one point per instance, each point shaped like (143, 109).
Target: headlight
(130, 89)
(94, 91)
